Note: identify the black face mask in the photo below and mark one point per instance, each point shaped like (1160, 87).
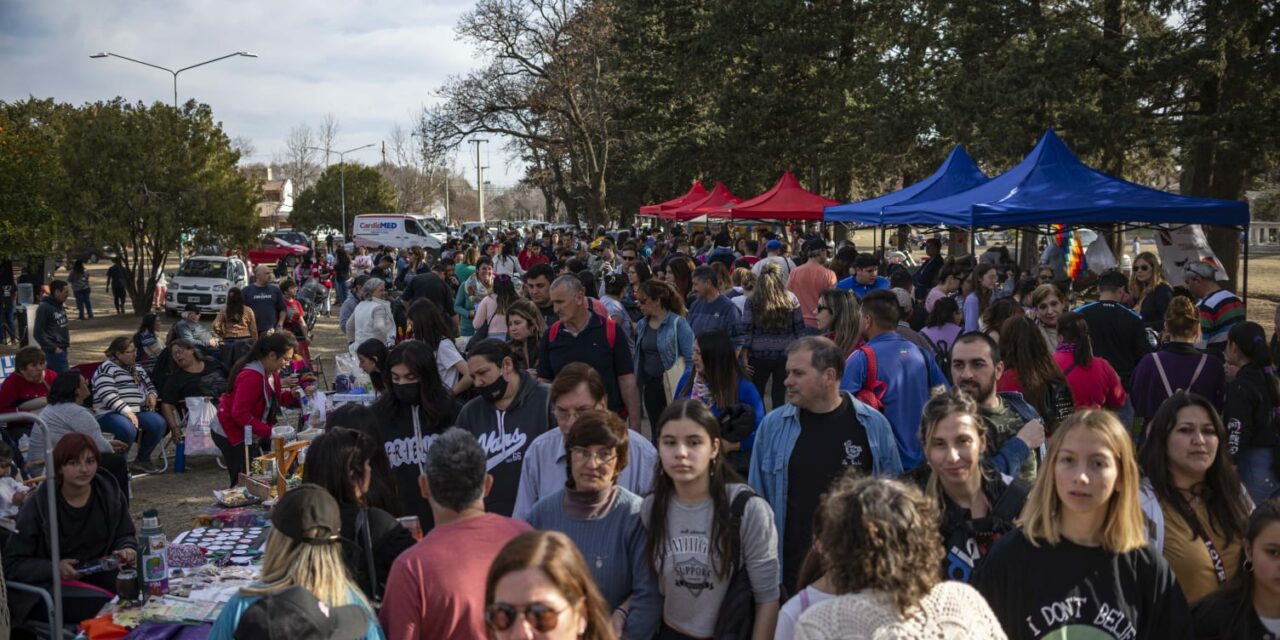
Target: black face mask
(407, 393)
(494, 391)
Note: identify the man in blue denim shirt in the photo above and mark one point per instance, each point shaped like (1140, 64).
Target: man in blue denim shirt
(805, 444)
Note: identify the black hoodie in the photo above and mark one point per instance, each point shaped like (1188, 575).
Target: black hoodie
(50, 330)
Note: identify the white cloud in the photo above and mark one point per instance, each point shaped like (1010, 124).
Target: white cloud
(372, 63)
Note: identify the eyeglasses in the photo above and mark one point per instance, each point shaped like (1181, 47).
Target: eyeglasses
(583, 454)
(542, 617)
(569, 414)
(1141, 267)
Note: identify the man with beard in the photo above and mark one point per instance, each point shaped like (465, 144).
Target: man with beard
(1014, 428)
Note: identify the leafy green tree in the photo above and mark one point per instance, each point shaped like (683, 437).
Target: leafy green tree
(31, 175)
(320, 205)
(140, 175)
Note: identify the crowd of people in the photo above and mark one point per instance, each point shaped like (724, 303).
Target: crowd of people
(644, 434)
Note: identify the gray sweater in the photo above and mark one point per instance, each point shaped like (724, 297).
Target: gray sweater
(62, 419)
(613, 546)
(690, 581)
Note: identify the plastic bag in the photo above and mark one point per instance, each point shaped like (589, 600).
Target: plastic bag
(202, 421)
(347, 363)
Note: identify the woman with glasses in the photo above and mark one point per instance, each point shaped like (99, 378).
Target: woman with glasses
(1151, 294)
(603, 520)
(539, 587)
(125, 402)
(839, 316)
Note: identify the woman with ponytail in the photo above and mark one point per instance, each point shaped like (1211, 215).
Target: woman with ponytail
(1178, 365)
(1094, 383)
(1252, 397)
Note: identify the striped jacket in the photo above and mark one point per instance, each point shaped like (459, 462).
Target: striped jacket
(118, 389)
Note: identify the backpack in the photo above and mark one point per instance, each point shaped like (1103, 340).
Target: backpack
(942, 355)
(737, 612)
(873, 389)
(610, 331)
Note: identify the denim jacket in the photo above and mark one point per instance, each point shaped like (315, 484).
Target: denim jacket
(675, 339)
(776, 439)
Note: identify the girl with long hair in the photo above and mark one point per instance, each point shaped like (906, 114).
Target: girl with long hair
(303, 550)
(688, 518)
(1094, 383)
(839, 316)
(339, 462)
(997, 314)
(254, 399)
(492, 310)
(372, 358)
(985, 279)
(1252, 400)
(430, 326)
(1080, 561)
(525, 327)
(1151, 294)
(977, 504)
(1248, 605)
(417, 408)
(718, 381)
(1048, 304)
(235, 322)
(771, 322)
(146, 340)
(1030, 370)
(679, 270)
(539, 587)
(882, 548)
(942, 326)
(1177, 365)
(1191, 495)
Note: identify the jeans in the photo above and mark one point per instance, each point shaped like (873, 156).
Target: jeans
(56, 362)
(764, 368)
(1254, 466)
(83, 305)
(117, 298)
(340, 286)
(150, 423)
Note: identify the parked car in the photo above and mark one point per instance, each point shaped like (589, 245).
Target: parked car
(204, 281)
(276, 251)
(398, 230)
(294, 237)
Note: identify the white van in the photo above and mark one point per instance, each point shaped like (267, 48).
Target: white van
(398, 230)
(204, 281)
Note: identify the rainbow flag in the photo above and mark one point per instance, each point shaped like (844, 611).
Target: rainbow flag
(1072, 250)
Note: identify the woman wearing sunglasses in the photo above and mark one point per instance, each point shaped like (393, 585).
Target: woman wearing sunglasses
(539, 587)
(1151, 294)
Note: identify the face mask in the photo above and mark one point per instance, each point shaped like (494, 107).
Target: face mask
(407, 393)
(494, 391)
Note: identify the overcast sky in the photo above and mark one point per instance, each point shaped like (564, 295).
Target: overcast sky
(371, 63)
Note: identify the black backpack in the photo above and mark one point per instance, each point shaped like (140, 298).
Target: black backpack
(737, 613)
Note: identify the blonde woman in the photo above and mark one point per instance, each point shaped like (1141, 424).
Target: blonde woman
(1151, 294)
(770, 323)
(1080, 562)
(304, 549)
(744, 283)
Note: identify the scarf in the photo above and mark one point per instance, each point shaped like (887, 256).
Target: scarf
(589, 505)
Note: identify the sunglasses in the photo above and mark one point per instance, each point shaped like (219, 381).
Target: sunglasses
(500, 616)
(822, 308)
(1142, 267)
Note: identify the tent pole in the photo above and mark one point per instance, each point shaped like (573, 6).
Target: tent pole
(973, 243)
(1244, 286)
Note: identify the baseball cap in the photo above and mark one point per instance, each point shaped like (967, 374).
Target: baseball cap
(294, 612)
(773, 245)
(308, 507)
(1202, 270)
(191, 308)
(813, 246)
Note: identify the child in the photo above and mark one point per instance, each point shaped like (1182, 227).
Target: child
(12, 492)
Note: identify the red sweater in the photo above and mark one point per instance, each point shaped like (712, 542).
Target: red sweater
(246, 404)
(1093, 387)
(16, 390)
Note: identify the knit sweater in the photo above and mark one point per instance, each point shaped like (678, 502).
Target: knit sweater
(62, 419)
(950, 610)
(118, 389)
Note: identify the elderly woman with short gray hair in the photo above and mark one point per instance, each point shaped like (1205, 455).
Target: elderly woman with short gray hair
(372, 318)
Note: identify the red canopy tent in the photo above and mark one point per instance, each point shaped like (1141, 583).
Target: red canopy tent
(708, 207)
(697, 192)
(787, 200)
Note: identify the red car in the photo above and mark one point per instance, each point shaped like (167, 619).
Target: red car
(275, 251)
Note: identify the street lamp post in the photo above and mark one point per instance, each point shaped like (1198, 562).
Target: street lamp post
(174, 72)
(342, 178)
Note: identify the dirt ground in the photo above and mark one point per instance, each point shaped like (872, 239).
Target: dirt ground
(180, 497)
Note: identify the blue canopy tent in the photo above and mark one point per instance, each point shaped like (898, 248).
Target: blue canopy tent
(1052, 186)
(957, 173)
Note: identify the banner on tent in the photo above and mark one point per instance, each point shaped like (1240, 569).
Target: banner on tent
(1181, 246)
